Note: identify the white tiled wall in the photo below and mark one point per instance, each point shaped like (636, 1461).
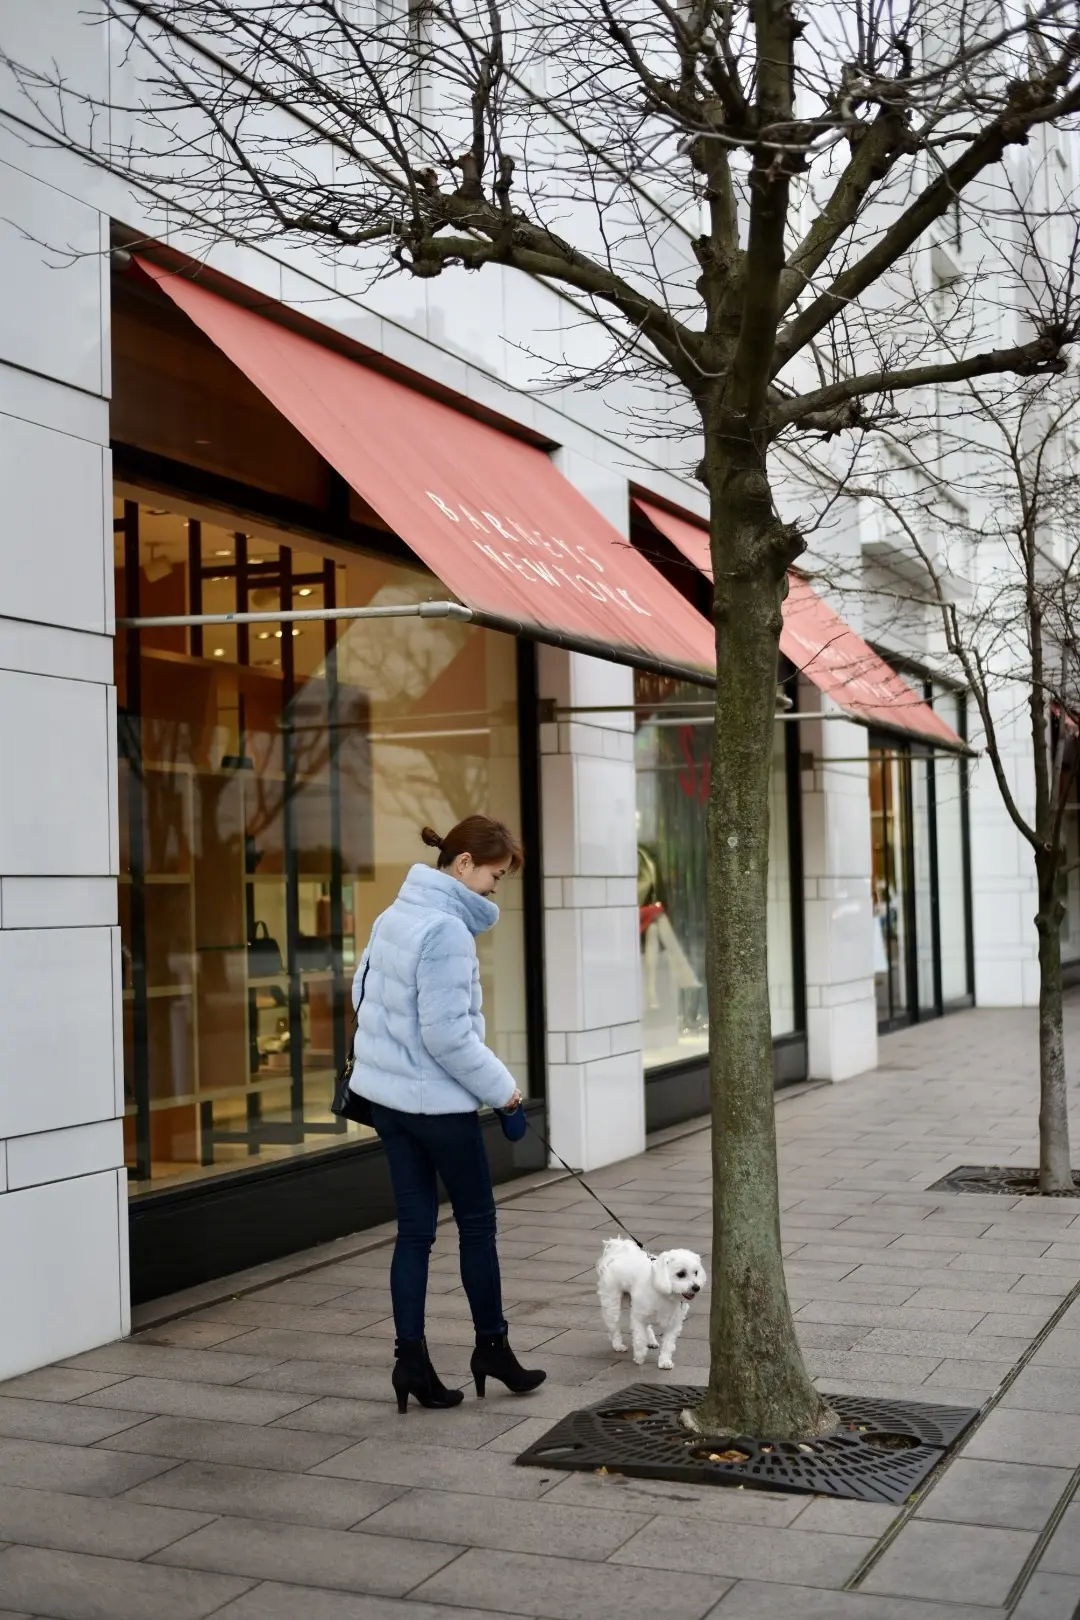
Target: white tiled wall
(1004, 892)
(596, 1083)
(841, 1010)
(63, 1195)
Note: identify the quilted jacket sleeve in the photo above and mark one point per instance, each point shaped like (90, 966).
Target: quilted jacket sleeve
(444, 999)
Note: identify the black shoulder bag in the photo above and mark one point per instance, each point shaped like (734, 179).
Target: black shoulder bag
(347, 1103)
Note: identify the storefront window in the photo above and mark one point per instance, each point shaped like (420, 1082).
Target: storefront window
(920, 885)
(672, 748)
(273, 781)
(890, 847)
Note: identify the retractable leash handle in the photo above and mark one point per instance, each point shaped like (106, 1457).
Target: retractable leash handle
(579, 1177)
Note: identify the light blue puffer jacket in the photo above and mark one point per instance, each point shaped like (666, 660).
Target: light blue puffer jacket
(420, 1032)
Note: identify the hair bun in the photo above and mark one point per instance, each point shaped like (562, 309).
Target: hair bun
(431, 838)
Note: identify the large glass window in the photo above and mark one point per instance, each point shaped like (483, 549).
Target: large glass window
(672, 750)
(890, 842)
(273, 781)
(920, 881)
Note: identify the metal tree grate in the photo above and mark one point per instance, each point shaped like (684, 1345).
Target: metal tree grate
(880, 1453)
(1000, 1178)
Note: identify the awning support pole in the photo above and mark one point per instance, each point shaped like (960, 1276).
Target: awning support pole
(399, 610)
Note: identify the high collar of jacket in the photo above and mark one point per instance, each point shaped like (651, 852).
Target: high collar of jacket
(433, 890)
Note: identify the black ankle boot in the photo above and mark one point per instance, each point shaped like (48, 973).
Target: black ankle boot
(414, 1375)
(493, 1358)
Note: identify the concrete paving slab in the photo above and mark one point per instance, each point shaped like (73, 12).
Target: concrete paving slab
(171, 1397)
(1062, 1556)
(38, 1466)
(264, 1493)
(951, 1562)
(805, 1558)
(1049, 1597)
(1007, 1496)
(344, 1559)
(552, 1588)
(758, 1600)
(73, 1586)
(196, 1440)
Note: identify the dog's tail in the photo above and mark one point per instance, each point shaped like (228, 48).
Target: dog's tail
(607, 1252)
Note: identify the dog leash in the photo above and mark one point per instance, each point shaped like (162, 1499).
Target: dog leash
(579, 1177)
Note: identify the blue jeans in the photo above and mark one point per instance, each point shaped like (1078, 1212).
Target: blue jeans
(419, 1146)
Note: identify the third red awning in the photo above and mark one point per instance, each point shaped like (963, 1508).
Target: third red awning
(825, 649)
(490, 515)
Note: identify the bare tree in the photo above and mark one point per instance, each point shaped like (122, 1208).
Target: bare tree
(996, 548)
(978, 489)
(735, 195)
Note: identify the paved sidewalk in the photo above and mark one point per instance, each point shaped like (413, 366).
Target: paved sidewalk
(244, 1460)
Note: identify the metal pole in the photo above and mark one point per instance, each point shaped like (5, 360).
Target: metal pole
(400, 610)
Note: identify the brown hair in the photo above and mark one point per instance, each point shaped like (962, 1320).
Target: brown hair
(487, 841)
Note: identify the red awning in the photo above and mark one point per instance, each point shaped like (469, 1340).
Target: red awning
(825, 649)
(491, 516)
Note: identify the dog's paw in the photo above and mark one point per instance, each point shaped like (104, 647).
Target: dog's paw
(652, 1341)
(619, 1345)
(665, 1363)
(639, 1360)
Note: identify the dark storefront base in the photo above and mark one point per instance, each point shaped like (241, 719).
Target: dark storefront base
(681, 1091)
(207, 1229)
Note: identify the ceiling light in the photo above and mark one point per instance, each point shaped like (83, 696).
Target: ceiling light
(226, 553)
(277, 635)
(155, 566)
(264, 635)
(219, 652)
(296, 632)
(305, 590)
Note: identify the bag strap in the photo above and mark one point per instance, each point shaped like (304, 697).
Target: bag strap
(363, 987)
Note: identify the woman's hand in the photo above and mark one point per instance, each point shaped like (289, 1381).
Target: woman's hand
(516, 1100)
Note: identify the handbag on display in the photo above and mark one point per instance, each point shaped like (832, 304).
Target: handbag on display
(347, 1103)
(264, 953)
(313, 953)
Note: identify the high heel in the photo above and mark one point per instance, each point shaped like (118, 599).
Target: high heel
(493, 1358)
(414, 1375)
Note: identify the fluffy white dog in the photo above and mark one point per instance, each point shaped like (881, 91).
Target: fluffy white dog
(660, 1289)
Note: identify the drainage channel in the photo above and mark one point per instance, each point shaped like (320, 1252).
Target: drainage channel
(1016, 1591)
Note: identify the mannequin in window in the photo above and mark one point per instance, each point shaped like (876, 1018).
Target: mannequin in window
(657, 933)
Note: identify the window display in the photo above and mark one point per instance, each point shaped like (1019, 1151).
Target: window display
(273, 781)
(672, 752)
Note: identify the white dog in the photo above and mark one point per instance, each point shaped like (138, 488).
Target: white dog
(660, 1288)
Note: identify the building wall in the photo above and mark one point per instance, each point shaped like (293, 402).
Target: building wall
(1003, 884)
(63, 1196)
(596, 1083)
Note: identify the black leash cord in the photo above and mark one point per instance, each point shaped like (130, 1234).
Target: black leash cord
(579, 1177)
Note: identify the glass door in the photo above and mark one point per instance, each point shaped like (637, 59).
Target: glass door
(891, 856)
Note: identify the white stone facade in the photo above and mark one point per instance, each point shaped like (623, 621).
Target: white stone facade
(63, 1189)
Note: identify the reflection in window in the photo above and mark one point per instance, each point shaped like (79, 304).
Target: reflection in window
(672, 753)
(273, 779)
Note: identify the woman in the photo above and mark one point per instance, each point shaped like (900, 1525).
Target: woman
(422, 1063)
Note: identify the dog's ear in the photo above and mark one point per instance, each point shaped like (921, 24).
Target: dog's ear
(663, 1280)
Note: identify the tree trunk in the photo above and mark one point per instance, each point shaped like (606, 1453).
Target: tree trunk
(758, 1384)
(1055, 1169)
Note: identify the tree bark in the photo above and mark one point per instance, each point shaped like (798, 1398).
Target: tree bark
(758, 1384)
(1055, 1168)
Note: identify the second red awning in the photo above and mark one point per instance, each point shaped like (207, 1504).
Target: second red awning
(825, 649)
(490, 515)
